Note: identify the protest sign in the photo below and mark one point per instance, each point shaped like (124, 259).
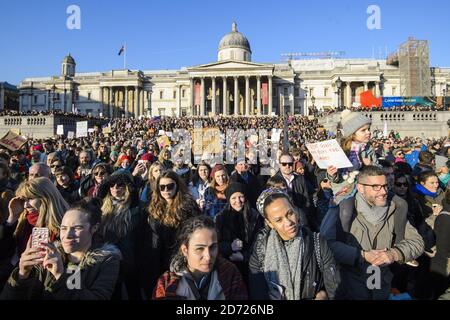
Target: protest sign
(328, 153)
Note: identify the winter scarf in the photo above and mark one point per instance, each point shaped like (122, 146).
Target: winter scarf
(375, 215)
(283, 263)
(418, 188)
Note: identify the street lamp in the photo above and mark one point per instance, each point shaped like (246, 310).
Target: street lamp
(339, 86)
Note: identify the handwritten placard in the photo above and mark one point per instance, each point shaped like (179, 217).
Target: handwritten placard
(328, 153)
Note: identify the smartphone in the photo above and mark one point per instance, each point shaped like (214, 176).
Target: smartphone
(38, 236)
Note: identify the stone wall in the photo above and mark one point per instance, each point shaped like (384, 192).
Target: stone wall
(429, 124)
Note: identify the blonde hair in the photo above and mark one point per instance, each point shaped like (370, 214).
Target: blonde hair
(151, 179)
(116, 218)
(346, 144)
(52, 208)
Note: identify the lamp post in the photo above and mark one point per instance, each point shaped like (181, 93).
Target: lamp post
(306, 101)
(53, 97)
(339, 86)
(31, 96)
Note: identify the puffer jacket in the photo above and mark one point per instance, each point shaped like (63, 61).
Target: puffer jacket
(99, 269)
(312, 277)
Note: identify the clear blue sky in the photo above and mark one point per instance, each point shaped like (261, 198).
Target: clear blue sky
(172, 34)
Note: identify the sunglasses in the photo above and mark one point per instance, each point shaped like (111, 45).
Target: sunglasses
(55, 166)
(399, 184)
(119, 185)
(99, 173)
(168, 187)
(284, 164)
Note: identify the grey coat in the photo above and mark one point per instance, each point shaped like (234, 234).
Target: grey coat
(362, 235)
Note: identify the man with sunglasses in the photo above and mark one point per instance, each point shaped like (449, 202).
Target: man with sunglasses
(369, 232)
(297, 185)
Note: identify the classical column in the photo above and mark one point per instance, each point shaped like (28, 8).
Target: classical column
(179, 101)
(213, 99)
(202, 96)
(126, 102)
(136, 102)
(258, 95)
(142, 104)
(270, 95)
(102, 106)
(366, 85)
(348, 103)
(110, 98)
(377, 89)
(236, 96)
(291, 98)
(225, 97)
(191, 94)
(247, 95)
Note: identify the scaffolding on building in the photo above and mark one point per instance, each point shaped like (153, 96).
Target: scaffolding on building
(414, 67)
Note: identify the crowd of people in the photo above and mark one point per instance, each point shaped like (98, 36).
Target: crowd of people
(127, 219)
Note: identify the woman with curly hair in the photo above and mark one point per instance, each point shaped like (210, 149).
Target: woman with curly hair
(170, 206)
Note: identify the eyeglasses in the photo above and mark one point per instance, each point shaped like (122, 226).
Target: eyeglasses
(55, 166)
(400, 184)
(168, 187)
(99, 173)
(284, 164)
(376, 187)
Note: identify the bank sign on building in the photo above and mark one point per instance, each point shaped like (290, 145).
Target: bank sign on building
(233, 85)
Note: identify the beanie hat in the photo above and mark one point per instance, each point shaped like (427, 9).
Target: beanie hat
(352, 121)
(233, 188)
(217, 167)
(124, 157)
(148, 157)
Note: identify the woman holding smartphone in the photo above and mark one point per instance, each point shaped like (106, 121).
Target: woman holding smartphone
(74, 269)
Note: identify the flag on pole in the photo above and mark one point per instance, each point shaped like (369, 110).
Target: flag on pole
(121, 50)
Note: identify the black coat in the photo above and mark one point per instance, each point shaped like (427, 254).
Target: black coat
(231, 225)
(311, 272)
(156, 246)
(300, 194)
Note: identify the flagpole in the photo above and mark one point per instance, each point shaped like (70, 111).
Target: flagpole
(125, 57)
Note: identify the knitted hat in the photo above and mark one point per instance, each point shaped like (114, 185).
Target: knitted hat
(352, 121)
(217, 167)
(148, 157)
(233, 188)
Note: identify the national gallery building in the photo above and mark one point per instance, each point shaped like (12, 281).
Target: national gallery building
(232, 85)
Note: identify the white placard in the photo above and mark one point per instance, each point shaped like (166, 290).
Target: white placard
(440, 161)
(169, 134)
(82, 129)
(328, 153)
(161, 132)
(70, 134)
(276, 135)
(60, 129)
(91, 130)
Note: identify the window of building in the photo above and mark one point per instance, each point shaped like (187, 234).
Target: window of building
(296, 91)
(174, 94)
(35, 99)
(160, 95)
(311, 92)
(183, 92)
(245, 56)
(89, 96)
(162, 112)
(325, 92)
(57, 96)
(394, 91)
(285, 91)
